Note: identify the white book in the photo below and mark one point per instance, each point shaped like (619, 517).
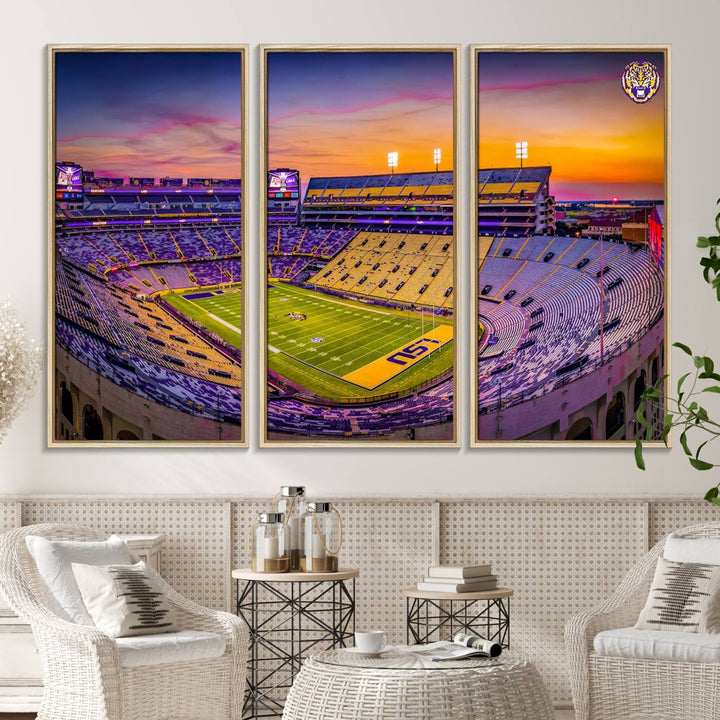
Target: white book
(455, 581)
(460, 572)
(458, 587)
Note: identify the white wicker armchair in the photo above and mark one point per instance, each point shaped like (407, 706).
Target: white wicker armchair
(614, 688)
(81, 671)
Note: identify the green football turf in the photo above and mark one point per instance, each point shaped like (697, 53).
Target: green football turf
(353, 335)
(228, 307)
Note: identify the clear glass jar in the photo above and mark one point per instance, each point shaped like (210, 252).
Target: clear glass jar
(269, 544)
(291, 503)
(322, 538)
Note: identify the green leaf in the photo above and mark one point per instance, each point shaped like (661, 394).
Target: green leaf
(712, 389)
(683, 347)
(715, 501)
(641, 417)
(699, 450)
(701, 464)
(639, 461)
(708, 364)
(703, 242)
(712, 493)
(698, 361)
(709, 376)
(684, 443)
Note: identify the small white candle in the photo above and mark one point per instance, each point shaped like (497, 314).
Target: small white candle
(318, 551)
(271, 548)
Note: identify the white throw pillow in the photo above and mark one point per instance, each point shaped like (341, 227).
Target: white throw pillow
(124, 600)
(54, 559)
(692, 550)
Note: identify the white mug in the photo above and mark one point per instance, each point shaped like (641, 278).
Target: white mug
(373, 641)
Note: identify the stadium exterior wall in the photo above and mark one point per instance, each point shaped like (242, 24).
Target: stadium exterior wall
(114, 405)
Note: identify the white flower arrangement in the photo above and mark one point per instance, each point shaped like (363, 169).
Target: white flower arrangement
(20, 359)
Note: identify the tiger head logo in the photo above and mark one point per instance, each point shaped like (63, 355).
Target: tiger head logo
(640, 81)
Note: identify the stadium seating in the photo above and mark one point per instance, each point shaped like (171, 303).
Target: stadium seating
(397, 267)
(142, 328)
(553, 317)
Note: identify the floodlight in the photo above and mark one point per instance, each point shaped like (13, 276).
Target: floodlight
(437, 155)
(521, 151)
(392, 160)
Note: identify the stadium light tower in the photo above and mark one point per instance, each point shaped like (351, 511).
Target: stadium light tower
(521, 151)
(437, 155)
(392, 161)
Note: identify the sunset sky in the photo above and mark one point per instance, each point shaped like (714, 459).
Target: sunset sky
(573, 112)
(340, 113)
(150, 114)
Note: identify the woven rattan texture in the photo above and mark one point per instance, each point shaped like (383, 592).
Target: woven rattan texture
(560, 557)
(193, 555)
(668, 515)
(7, 515)
(508, 692)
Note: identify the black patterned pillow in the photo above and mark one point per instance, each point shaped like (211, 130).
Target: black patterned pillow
(684, 597)
(124, 600)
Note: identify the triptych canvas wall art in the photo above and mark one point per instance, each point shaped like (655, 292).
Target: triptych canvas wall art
(359, 270)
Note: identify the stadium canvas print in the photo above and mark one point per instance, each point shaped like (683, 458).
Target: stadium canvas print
(570, 235)
(146, 245)
(359, 255)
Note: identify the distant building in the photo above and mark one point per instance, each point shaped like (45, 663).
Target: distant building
(635, 232)
(603, 227)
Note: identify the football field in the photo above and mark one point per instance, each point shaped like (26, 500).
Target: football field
(333, 347)
(340, 348)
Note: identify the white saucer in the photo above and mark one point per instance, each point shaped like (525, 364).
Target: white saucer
(359, 653)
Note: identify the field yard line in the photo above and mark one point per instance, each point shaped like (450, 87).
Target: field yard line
(274, 349)
(224, 322)
(348, 305)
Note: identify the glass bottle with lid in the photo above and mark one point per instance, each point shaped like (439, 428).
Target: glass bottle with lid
(269, 547)
(291, 502)
(322, 537)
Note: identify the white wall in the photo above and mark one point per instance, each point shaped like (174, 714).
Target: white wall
(26, 466)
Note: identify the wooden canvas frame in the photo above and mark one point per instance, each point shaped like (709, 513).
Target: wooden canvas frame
(475, 52)
(457, 237)
(242, 89)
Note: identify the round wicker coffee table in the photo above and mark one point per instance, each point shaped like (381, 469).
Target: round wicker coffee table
(340, 685)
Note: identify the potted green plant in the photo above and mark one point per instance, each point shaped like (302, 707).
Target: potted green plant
(684, 409)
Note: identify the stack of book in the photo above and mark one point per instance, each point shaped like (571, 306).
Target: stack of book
(458, 579)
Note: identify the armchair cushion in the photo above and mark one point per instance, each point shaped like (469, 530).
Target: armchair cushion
(124, 600)
(54, 558)
(169, 648)
(658, 645)
(692, 550)
(684, 597)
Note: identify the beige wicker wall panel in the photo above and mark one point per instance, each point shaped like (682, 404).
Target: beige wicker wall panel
(669, 515)
(193, 556)
(8, 517)
(559, 557)
(390, 542)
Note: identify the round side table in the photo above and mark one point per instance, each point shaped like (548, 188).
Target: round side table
(289, 615)
(338, 685)
(484, 613)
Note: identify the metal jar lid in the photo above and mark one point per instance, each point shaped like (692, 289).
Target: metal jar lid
(292, 490)
(319, 507)
(268, 517)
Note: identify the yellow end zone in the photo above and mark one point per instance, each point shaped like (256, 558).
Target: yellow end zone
(383, 369)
